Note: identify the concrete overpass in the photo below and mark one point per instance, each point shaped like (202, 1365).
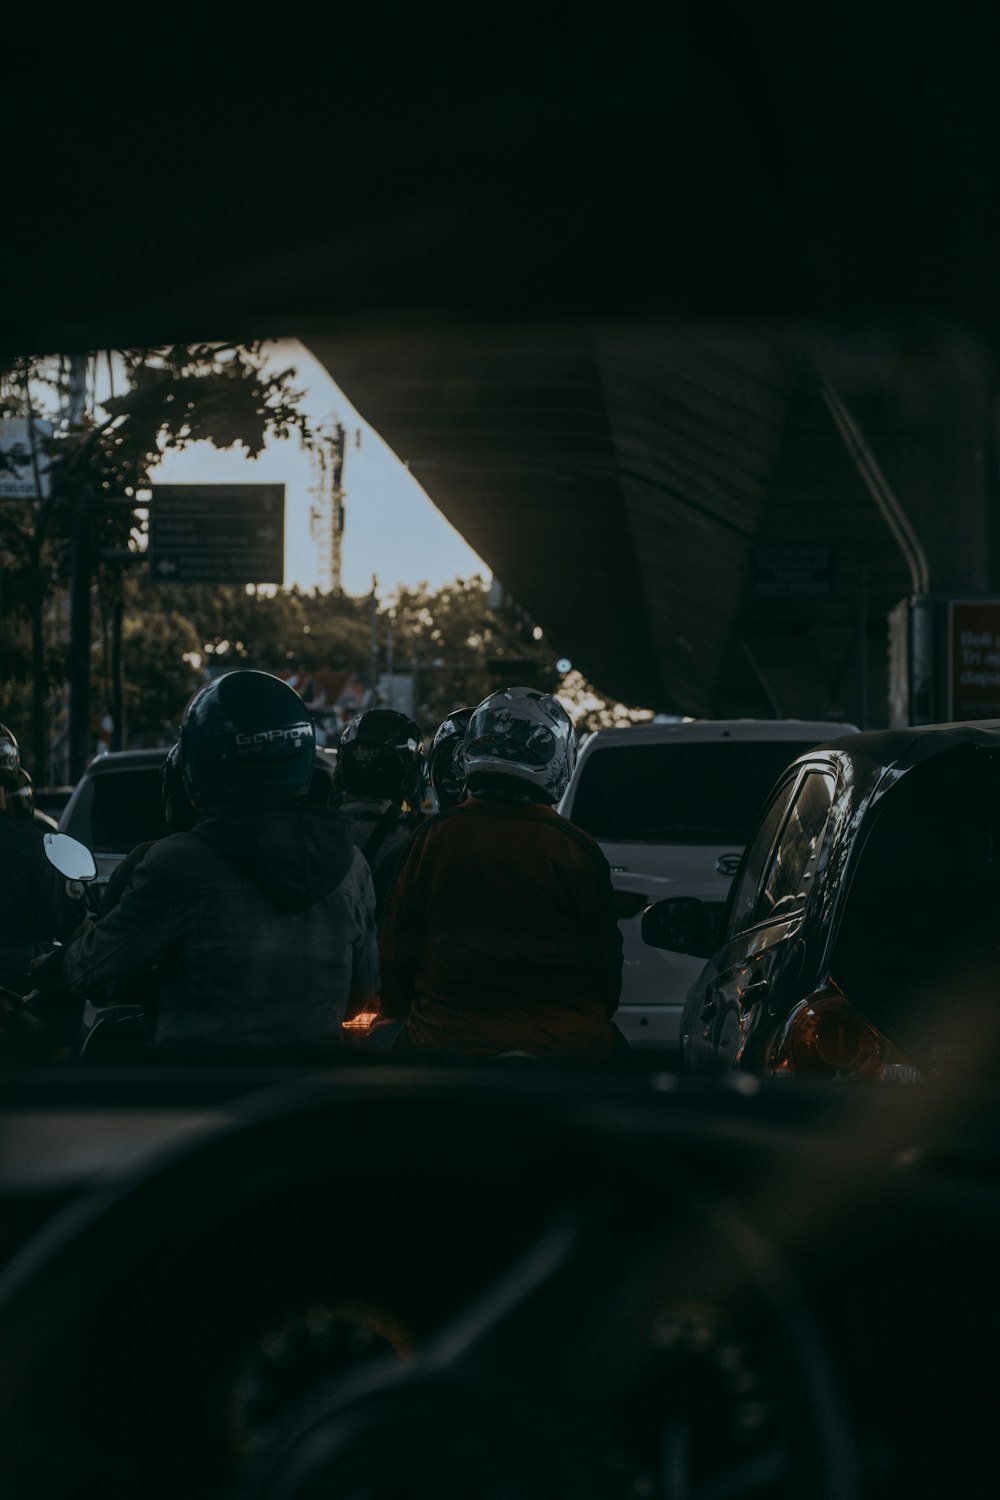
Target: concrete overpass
(709, 520)
(681, 510)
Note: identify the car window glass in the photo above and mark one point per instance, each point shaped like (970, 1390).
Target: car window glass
(787, 883)
(745, 897)
(116, 811)
(709, 792)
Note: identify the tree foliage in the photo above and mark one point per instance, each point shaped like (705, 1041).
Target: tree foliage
(142, 403)
(461, 649)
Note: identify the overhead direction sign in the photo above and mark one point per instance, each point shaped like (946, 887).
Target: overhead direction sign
(217, 533)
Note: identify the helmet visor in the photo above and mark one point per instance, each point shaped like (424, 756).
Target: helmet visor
(500, 735)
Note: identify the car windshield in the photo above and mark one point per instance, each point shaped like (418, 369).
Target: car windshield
(117, 810)
(637, 375)
(686, 794)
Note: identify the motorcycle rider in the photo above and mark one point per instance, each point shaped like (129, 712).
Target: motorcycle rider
(38, 906)
(444, 769)
(380, 778)
(261, 917)
(501, 933)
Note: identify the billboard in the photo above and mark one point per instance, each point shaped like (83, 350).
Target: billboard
(974, 659)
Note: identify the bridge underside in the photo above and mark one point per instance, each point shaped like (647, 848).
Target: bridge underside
(679, 508)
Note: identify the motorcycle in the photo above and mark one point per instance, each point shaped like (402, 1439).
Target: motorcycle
(43, 1024)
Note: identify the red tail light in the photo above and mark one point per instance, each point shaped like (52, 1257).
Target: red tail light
(825, 1038)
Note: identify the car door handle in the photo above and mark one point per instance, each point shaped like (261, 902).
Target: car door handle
(755, 989)
(708, 1009)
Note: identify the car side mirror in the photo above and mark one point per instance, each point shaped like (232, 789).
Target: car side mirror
(682, 924)
(69, 856)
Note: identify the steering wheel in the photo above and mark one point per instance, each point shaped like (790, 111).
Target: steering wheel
(581, 1320)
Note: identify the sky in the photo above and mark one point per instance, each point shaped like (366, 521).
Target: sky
(392, 529)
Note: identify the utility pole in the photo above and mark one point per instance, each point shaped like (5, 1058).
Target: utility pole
(373, 662)
(118, 731)
(79, 604)
(326, 522)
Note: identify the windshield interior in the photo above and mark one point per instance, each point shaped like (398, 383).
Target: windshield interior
(360, 1145)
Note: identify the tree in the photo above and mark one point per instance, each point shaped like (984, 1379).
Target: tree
(461, 649)
(176, 634)
(100, 459)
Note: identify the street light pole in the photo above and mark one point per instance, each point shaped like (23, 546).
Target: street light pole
(79, 644)
(79, 603)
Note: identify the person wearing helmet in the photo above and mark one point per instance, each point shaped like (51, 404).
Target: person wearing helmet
(37, 905)
(380, 778)
(445, 772)
(262, 916)
(501, 934)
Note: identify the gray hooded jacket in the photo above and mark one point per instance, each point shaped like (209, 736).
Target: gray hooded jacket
(262, 922)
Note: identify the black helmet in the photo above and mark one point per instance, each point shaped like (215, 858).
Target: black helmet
(444, 770)
(322, 783)
(178, 809)
(10, 759)
(381, 754)
(246, 736)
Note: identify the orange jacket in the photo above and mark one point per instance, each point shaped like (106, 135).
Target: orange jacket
(501, 935)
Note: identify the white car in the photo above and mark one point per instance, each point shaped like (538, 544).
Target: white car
(672, 806)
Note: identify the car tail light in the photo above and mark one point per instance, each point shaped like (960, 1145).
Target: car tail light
(629, 903)
(824, 1037)
(361, 1022)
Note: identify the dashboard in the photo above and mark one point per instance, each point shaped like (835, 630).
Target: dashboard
(493, 1282)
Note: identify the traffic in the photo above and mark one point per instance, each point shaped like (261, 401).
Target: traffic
(251, 895)
(253, 948)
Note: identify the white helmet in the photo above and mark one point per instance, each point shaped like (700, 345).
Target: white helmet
(522, 735)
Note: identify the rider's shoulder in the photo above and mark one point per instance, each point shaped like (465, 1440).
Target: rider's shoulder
(173, 856)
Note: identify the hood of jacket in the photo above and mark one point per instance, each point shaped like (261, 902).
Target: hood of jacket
(294, 851)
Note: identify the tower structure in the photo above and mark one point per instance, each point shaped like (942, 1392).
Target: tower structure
(326, 509)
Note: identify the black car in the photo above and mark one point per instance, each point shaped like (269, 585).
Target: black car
(860, 937)
(117, 804)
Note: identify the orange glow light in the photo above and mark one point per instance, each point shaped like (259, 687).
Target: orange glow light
(361, 1022)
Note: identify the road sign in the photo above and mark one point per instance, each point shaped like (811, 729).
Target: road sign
(217, 533)
(17, 473)
(974, 659)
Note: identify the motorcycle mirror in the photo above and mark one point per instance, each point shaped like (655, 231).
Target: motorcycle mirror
(69, 856)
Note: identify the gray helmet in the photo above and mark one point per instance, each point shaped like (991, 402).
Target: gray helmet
(246, 736)
(524, 736)
(10, 759)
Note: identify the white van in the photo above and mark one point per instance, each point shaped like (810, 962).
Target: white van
(672, 806)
